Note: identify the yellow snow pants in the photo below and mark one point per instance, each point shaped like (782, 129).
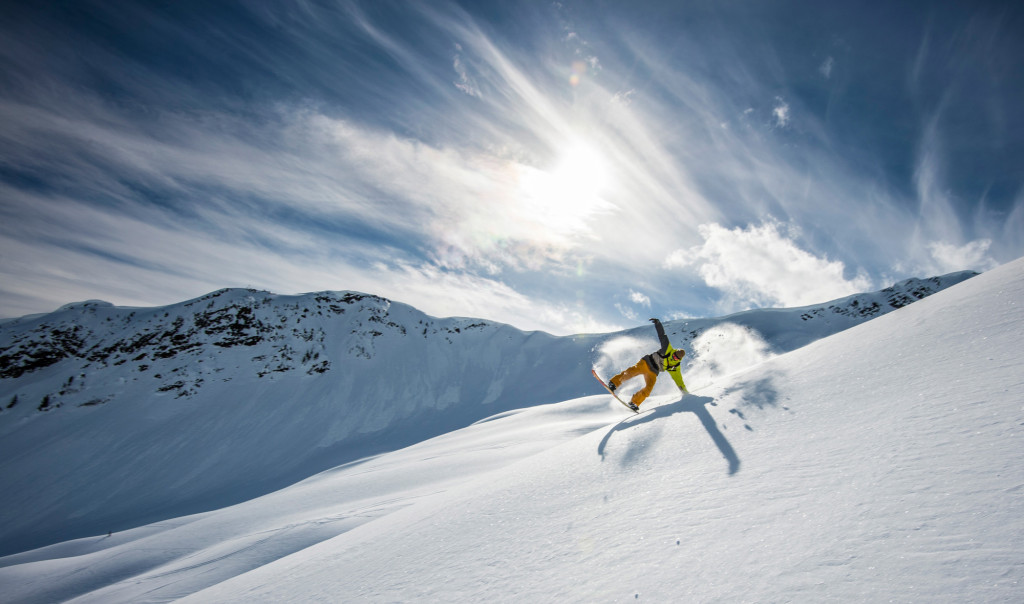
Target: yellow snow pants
(640, 369)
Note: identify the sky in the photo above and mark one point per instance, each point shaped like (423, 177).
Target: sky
(563, 166)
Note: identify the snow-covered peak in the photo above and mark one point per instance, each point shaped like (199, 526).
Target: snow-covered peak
(880, 464)
(84, 306)
(111, 417)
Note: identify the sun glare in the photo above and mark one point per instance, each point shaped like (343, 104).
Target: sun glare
(582, 169)
(567, 196)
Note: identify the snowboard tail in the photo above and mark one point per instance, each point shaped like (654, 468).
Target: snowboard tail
(605, 385)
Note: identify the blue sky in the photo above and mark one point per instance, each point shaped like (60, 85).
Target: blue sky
(565, 166)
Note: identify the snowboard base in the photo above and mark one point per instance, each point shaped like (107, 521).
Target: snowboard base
(605, 385)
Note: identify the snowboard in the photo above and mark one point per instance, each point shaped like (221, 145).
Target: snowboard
(605, 384)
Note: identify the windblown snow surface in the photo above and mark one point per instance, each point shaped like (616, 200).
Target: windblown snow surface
(884, 462)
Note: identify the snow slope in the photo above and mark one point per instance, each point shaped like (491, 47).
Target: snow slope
(881, 463)
(157, 413)
(112, 418)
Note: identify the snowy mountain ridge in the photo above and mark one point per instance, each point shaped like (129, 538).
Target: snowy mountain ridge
(299, 384)
(882, 463)
(288, 334)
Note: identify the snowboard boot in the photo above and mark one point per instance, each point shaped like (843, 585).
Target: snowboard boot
(611, 386)
(633, 407)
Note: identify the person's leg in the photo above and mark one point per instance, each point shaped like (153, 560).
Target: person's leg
(630, 373)
(649, 380)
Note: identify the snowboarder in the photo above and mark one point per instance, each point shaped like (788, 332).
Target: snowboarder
(666, 359)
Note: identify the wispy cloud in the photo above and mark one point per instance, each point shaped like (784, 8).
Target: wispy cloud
(943, 245)
(521, 169)
(321, 202)
(465, 83)
(627, 311)
(825, 69)
(634, 308)
(155, 260)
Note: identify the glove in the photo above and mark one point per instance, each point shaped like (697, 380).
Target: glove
(653, 320)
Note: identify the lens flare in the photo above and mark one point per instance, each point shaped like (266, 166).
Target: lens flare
(579, 69)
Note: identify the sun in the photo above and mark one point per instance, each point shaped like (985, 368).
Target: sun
(582, 170)
(569, 195)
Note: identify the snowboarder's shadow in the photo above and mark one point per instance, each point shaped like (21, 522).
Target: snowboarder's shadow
(690, 403)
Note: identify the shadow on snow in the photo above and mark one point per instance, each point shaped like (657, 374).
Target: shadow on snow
(688, 404)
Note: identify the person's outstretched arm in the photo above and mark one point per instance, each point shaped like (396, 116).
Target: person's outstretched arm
(662, 338)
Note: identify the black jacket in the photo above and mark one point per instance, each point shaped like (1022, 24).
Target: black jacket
(656, 360)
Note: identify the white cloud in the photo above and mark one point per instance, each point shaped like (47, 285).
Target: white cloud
(826, 67)
(781, 112)
(948, 258)
(759, 266)
(639, 298)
